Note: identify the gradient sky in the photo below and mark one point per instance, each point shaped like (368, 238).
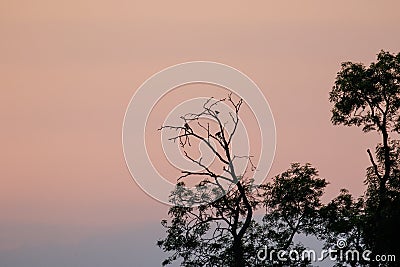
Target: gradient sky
(69, 68)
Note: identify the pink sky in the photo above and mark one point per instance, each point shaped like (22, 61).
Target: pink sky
(69, 68)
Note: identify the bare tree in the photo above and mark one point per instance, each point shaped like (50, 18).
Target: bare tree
(213, 223)
(230, 211)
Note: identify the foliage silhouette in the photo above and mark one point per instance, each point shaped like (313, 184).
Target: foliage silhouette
(226, 219)
(369, 97)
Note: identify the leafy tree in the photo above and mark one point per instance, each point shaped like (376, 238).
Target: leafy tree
(369, 97)
(343, 219)
(292, 205)
(292, 201)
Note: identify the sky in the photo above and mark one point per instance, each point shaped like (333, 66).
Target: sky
(69, 69)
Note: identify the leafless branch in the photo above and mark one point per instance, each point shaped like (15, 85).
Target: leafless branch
(376, 170)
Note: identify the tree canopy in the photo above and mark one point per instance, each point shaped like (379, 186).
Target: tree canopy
(227, 220)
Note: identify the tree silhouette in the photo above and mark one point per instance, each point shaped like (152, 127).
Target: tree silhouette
(213, 233)
(213, 224)
(369, 97)
(293, 199)
(343, 218)
(292, 202)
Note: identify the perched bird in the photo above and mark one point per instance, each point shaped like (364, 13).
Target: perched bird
(218, 134)
(217, 112)
(187, 127)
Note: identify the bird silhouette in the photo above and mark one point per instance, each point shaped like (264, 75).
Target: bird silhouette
(187, 127)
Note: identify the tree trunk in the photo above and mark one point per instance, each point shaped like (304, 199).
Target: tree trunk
(238, 257)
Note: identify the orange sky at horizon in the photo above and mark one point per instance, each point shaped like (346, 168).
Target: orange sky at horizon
(70, 68)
